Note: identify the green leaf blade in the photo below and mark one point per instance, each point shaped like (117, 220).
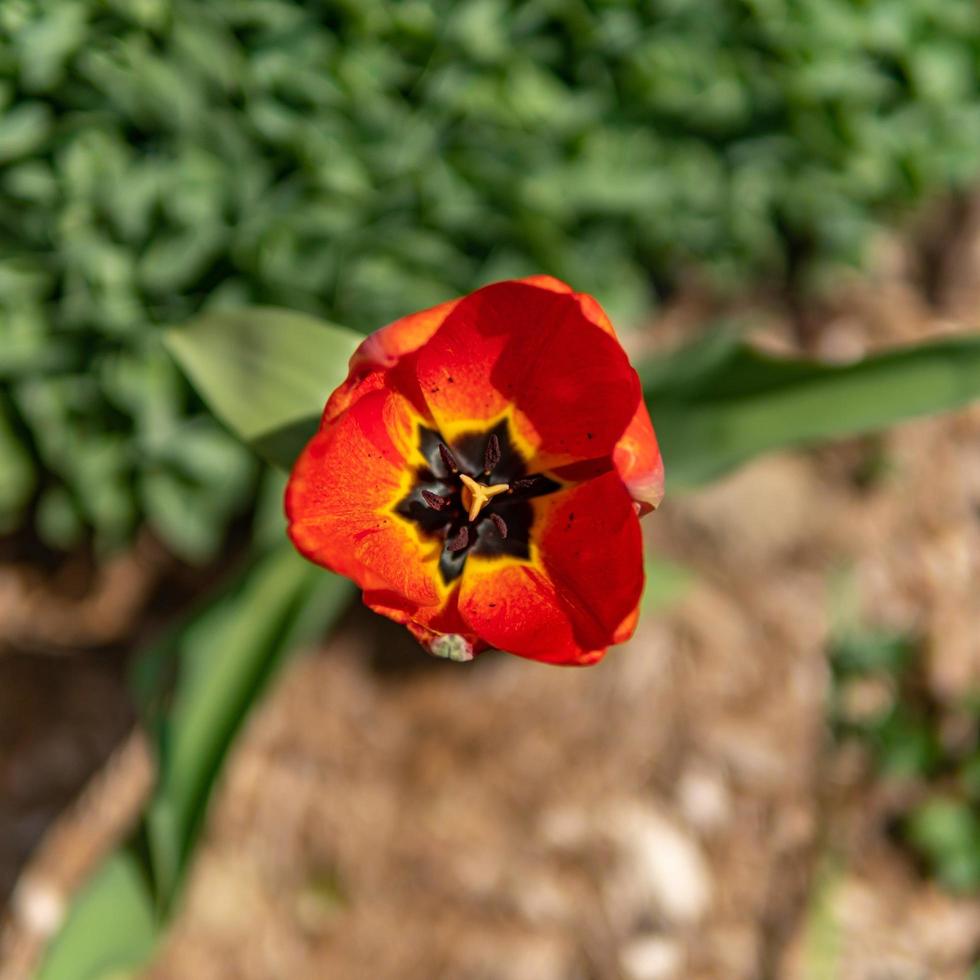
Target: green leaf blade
(266, 373)
(739, 403)
(224, 661)
(112, 926)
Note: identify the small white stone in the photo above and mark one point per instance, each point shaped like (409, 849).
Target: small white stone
(704, 799)
(651, 957)
(39, 906)
(664, 862)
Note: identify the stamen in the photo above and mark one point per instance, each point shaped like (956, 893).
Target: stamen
(434, 500)
(491, 455)
(500, 524)
(448, 459)
(460, 540)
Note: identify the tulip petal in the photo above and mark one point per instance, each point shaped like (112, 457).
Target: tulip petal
(341, 496)
(637, 455)
(517, 608)
(435, 627)
(381, 350)
(580, 592)
(539, 367)
(529, 346)
(639, 463)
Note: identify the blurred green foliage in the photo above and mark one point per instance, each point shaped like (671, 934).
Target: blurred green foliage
(359, 159)
(879, 697)
(194, 689)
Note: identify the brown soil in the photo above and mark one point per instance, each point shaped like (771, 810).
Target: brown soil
(678, 811)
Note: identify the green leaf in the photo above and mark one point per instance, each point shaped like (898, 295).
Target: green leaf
(16, 475)
(867, 651)
(667, 582)
(720, 402)
(947, 832)
(111, 927)
(195, 689)
(23, 129)
(716, 403)
(822, 929)
(46, 44)
(906, 744)
(223, 660)
(266, 373)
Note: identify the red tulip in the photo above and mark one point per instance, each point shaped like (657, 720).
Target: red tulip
(481, 472)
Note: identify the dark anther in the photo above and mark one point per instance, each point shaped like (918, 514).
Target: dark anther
(434, 500)
(448, 458)
(491, 455)
(460, 540)
(500, 524)
(528, 483)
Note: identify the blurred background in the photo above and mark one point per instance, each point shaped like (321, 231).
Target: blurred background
(780, 775)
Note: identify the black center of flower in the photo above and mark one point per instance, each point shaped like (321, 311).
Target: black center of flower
(474, 495)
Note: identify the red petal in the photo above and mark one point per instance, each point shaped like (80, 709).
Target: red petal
(433, 626)
(340, 496)
(638, 461)
(579, 595)
(383, 349)
(531, 346)
(637, 455)
(516, 608)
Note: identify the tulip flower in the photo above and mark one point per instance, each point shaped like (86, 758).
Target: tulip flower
(481, 474)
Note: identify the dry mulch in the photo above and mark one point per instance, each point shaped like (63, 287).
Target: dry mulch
(678, 811)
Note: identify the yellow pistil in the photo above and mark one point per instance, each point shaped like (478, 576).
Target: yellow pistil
(476, 496)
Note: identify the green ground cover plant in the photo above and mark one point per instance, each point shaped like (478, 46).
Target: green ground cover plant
(356, 159)
(903, 733)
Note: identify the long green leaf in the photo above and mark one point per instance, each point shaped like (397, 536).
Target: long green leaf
(266, 373)
(719, 403)
(220, 661)
(223, 660)
(111, 927)
(715, 404)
